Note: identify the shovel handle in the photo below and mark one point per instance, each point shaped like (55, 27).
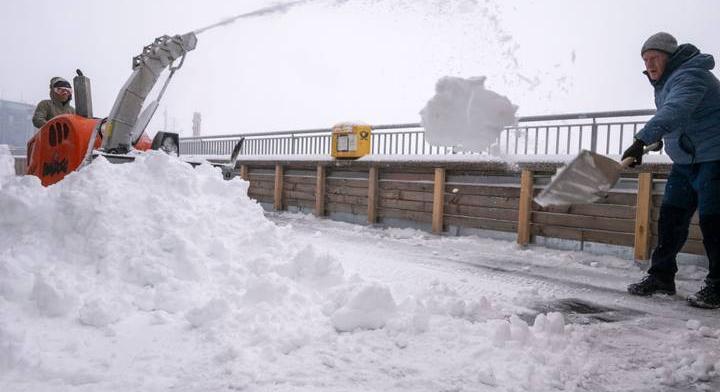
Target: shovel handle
(630, 160)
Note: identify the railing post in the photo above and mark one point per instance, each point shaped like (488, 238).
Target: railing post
(244, 172)
(438, 201)
(525, 207)
(593, 136)
(278, 199)
(372, 194)
(642, 217)
(320, 191)
(292, 144)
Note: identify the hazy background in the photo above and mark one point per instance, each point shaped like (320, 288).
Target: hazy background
(355, 60)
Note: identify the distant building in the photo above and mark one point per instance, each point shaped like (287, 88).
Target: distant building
(16, 123)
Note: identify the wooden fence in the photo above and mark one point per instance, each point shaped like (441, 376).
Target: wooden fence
(479, 195)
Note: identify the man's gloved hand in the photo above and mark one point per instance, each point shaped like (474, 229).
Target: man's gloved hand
(635, 151)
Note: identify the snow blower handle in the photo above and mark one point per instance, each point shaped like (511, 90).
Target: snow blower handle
(653, 147)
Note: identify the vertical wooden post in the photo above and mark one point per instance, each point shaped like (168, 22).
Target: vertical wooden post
(642, 217)
(320, 191)
(278, 204)
(244, 172)
(525, 207)
(372, 194)
(438, 200)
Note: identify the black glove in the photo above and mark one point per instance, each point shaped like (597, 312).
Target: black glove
(635, 151)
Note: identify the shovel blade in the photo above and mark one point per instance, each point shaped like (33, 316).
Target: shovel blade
(586, 179)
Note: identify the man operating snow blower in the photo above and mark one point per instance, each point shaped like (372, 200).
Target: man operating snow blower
(59, 102)
(687, 96)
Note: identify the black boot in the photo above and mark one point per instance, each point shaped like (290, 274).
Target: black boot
(708, 297)
(652, 285)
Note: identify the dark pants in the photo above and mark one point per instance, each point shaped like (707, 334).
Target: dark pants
(689, 188)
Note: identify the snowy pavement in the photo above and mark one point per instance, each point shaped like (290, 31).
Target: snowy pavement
(632, 343)
(157, 276)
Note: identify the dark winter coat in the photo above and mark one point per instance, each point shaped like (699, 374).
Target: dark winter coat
(50, 108)
(687, 97)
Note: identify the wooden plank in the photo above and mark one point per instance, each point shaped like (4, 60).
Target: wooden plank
(438, 201)
(525, 207)
(331, 189)
(406, 205)
(482, 190)
(642, 217)
(426, 187)
(480, 223)
(504, 214)
(278, 200)
(601, 210)
(299, 180)
(415, 216)
(305, 187)
(348, 199)
(347, 183)
(244, 172)
(480, 201)
(320, 191)
(372, 195)
(354, 209)
(407, 195)
(406, 176)
(298, 195)
(584, 222)
(304, 204)
(569, 233)
(614, 198)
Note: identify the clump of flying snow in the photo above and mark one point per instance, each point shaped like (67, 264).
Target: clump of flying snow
(463, 114)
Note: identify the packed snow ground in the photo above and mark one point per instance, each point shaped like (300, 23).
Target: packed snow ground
(153, 275)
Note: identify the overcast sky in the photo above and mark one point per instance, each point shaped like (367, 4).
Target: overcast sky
(330, 61)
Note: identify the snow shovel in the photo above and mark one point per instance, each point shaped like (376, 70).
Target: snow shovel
(586, 179)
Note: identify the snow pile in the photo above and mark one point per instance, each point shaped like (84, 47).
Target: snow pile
(156, 248)
(154, 275)
(465, 115)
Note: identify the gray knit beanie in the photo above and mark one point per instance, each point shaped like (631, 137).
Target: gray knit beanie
(661, 41)
(59, 82)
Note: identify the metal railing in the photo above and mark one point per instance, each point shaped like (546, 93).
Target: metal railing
(603, 132)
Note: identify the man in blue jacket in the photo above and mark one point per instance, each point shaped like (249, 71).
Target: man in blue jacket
(687, 96)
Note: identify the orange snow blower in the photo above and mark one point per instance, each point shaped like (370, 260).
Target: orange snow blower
(68, 142)
(61, 146)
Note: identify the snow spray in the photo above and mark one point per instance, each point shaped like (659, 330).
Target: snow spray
(274, 9)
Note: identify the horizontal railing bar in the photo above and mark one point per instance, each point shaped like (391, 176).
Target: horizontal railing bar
(550, 117)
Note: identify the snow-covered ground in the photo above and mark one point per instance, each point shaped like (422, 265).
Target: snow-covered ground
(155, 276)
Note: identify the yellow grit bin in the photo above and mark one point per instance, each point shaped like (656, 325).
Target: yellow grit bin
(350, 140)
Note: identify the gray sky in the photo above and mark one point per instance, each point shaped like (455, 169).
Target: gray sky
(375, 61)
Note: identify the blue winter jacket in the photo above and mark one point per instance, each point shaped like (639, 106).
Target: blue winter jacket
(687, 97)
